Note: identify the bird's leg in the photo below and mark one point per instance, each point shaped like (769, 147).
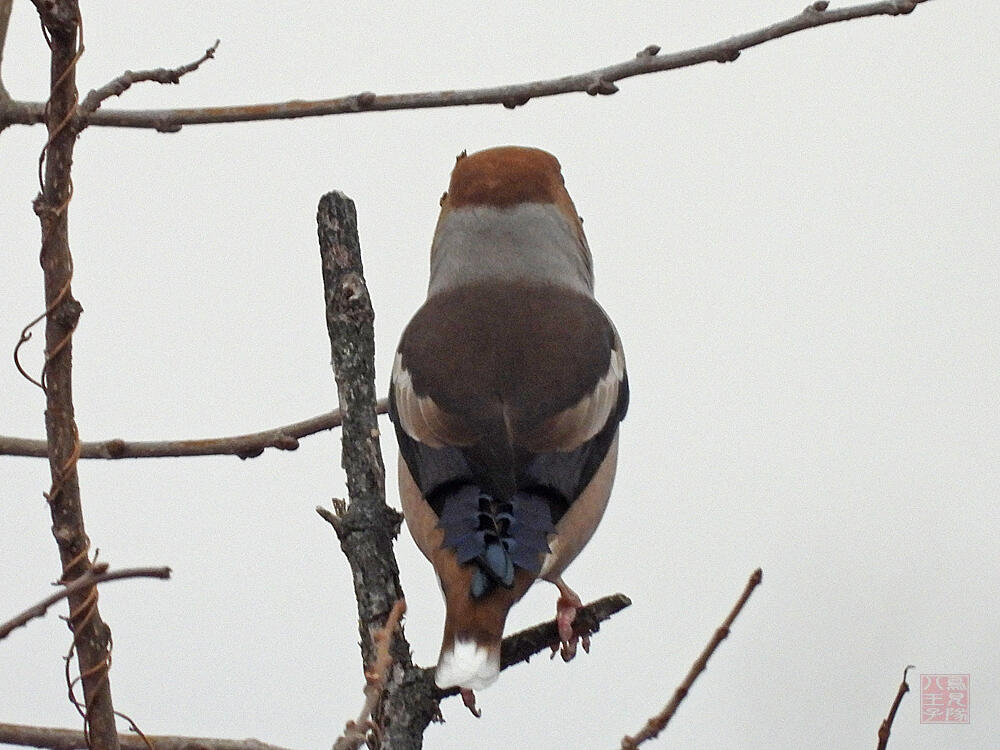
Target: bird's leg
(469, 699)
(566, 607)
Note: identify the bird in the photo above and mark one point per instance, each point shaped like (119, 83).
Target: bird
(506, 394)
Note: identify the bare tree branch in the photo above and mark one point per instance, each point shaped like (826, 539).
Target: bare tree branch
(69, 739)
(521, 646)
(593, 82)
(91, 637)
(124, 82)
(250, 445)
(659, 722)
(367, 526)
(886, 726)
(99, 573)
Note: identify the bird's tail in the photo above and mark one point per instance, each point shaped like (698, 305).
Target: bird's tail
(492, 551)
(473, 627)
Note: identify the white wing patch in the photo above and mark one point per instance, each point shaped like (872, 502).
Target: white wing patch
(420, 417)
(574, 426)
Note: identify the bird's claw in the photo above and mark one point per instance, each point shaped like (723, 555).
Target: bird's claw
(566, 608)
(469, 699)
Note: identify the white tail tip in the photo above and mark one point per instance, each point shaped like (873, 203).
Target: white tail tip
(468, 665)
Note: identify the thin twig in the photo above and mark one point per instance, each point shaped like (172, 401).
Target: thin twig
(659, 722)
(250, 445)
(356, 731)
(886, 726)
(593, 82)
(99, 573)
(69, 739)
(124, 82)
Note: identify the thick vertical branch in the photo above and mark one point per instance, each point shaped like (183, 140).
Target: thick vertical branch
(367, 526)
(91, 636)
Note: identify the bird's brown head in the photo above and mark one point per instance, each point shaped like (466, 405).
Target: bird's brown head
(507, 176)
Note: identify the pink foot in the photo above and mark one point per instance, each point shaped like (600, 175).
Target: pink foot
(566, 608)
(469, 699)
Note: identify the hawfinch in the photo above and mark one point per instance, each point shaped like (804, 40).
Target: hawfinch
(507, 389)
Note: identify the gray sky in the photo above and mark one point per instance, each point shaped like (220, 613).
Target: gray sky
(799, 251)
